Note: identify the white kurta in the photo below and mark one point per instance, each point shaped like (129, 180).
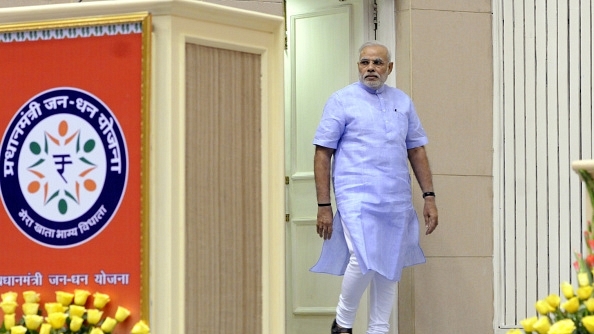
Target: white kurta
(371, 132)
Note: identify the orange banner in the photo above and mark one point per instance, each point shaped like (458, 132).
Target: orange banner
(71, 115)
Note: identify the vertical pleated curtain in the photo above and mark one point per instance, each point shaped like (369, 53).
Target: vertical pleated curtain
(223, 240)
(544, 123)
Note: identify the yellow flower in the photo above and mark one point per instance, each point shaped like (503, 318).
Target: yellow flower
(584, 292)
(590, 304)
(57, 319)
(55, 308)
(142, 328)
(64, 298)
(31, 297)
(80, 296)
(75, 323)
(567, 290)
(514, 331)
(553, 300)
(571, 305)
(9, 320)
(100, 299)
(583, 279)
(93, 316)
(9, 296)
(30, 308)
(121, 314)
(96, 330)
(542, 325)
(45, 329)
(565, 326)
(543, 307)
(76, 311)
(588, 322)
(528, 323)
(8, 307)
(33, 321)
(108, 324)
(18, 330)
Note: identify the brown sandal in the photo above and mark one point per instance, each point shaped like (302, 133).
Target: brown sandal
(336, 329)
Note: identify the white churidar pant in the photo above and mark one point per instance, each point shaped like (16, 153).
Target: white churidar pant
(382, 293)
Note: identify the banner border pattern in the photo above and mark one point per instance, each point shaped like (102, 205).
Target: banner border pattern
(75, 32)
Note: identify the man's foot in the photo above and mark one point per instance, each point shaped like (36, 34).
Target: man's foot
(337, 329)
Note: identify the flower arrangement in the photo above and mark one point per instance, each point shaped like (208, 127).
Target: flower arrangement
(575, 315)
(67, 315)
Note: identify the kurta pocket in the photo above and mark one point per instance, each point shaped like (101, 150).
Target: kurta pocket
(396, 125)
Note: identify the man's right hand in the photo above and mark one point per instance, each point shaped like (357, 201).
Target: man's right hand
(324, 224)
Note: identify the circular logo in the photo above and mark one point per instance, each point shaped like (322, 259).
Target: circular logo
(65, 167)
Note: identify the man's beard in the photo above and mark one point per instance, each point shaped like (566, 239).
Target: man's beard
(373, 84)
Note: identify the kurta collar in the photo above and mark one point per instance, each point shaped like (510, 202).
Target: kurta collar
(371, 90)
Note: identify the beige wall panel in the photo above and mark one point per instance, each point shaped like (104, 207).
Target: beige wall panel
(406, 302)
(444, 60)
(454, 295)
(465, 217)
(453, 89)
(482, 6)
(402, 5)
(475, 6)
(223, 187)
(402, 60)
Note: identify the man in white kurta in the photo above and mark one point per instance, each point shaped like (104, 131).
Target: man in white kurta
(371, 131)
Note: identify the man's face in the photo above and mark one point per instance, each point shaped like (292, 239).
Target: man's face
(373, 66)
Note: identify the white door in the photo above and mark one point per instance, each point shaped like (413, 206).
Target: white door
(323, 37)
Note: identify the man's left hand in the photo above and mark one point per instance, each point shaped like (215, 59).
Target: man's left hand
(430, 214)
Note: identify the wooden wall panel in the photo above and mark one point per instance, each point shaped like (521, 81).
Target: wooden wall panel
(223, 191)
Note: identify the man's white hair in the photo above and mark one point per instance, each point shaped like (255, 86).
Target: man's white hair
(376, 43)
